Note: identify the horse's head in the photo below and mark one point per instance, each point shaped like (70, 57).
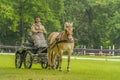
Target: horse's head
(69, 31)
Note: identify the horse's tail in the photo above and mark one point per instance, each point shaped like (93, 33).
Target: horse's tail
(52, 56)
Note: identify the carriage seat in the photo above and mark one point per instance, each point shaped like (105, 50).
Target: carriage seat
(29, 42)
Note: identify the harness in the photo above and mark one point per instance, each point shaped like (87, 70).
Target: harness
(58, 40)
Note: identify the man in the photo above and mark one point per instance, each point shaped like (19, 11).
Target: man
(38, 32)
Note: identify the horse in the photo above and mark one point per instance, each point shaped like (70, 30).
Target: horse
(60, 42)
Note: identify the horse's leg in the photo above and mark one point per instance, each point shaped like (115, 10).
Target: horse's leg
(54, 59)
(68, 66)
(60, 65)
(49, 59)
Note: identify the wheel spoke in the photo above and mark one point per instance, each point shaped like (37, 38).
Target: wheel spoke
(44, 65)
(18, 60)
(28, 60)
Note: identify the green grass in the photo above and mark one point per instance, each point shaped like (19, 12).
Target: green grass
(80, 70)
(96, 56)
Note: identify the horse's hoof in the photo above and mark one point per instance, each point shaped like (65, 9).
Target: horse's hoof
(53, 68)
(68, 70)
(60, 70)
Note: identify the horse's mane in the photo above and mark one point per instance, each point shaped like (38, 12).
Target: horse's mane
(52, 37)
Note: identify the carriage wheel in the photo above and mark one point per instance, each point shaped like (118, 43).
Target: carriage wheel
(57, 62)
(44, 65)
(28, 60)
(18, 60)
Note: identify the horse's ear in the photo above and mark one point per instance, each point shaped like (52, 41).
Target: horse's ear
(71, 24)
(65, 24)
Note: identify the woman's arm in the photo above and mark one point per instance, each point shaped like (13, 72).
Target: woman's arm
(33, 29)
(44, 30)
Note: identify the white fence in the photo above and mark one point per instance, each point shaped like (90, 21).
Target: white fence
(97, 52)
(111, 51)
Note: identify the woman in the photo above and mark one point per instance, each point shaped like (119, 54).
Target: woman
(38, 32)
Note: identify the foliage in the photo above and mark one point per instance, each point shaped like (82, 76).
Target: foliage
(96, 22)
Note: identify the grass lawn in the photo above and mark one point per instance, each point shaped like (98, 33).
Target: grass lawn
(80, 70)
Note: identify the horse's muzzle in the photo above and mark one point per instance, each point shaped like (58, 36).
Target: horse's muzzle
(70, 39)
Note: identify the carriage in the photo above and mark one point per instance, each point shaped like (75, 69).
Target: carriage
(58, 43)
(28, 54)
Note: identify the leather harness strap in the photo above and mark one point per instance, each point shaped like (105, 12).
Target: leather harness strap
(57, 41)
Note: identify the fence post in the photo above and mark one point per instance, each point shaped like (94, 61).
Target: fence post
(101, 48)
(110, 50)
(84, 50)
(113, 50)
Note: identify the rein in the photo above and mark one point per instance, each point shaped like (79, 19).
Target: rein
(65, 41)
(61, 41)
(58, 40)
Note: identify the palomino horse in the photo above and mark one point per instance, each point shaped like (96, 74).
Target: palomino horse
(60, 43)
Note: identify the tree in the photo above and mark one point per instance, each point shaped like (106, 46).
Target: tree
(96, 22)
(8, 23)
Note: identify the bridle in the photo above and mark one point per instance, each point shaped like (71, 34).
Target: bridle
(64, 40)
(69, 37)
